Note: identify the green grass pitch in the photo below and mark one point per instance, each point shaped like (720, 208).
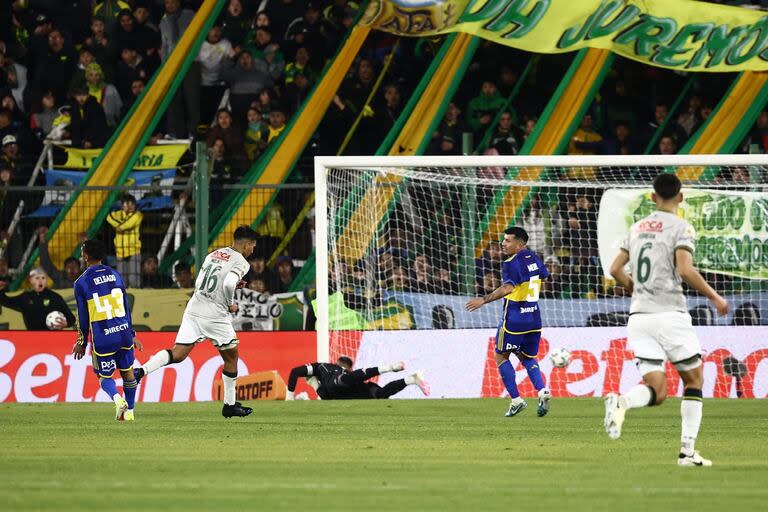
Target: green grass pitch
(378, 455)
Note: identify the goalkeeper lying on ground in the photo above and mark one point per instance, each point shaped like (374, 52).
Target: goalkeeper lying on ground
(339, 382)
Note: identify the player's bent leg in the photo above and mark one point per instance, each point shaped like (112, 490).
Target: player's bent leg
(229, 379)
(129, 388)
(508, 376)
(691, 411)
(389, 389)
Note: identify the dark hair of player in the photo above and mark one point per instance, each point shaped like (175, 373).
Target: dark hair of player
(518, 233)
(346, 361)
(94, 249)
(245, 233)
(666, 185)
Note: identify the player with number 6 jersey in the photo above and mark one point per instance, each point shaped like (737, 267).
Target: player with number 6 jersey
(104, 314)
(207, 315)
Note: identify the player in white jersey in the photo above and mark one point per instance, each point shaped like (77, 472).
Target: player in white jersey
(207, 315)
(659, 250)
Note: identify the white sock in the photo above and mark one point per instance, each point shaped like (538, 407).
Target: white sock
(229, 389)
(691, 412)
(410, 379)
(638, 396)
(157, 361)
(392, 367)
(289, 395)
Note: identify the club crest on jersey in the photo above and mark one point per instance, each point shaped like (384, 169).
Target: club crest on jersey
(651, 226)
(220, 255)
(46, 302)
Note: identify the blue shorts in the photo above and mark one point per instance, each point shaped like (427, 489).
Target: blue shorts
(104, 365)
(526, 344)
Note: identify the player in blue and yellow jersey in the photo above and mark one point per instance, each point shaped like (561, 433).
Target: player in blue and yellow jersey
(519, 332)
(103, 312)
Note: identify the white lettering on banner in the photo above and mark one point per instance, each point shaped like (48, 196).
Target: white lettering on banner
(78, 369)
(26, 380)
(7, 351)
(210, 371)
(153, 383)
(601, 361)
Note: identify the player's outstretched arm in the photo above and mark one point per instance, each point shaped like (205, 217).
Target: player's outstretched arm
(619, 274)
(305, 371)
(496, 294)
(684, 263)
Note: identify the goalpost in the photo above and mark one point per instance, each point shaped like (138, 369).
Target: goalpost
(404, 242)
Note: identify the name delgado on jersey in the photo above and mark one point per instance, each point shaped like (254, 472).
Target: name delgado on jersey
(109, 278)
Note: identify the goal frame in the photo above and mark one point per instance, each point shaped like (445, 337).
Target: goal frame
(322, 163)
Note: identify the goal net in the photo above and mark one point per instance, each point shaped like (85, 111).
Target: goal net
(404, 242)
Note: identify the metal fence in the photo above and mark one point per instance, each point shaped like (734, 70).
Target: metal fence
(166, 231)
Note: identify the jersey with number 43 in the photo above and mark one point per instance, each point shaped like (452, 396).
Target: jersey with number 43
(651, 245)
(210, 299)
(524, 271)
(102, 309)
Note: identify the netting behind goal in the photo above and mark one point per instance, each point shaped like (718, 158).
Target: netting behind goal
(408, 245)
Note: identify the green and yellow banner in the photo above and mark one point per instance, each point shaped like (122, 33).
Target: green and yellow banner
(685, 35)
(152, 158)
(731, 228)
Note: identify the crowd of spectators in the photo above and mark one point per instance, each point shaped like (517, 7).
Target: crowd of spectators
(74, 69)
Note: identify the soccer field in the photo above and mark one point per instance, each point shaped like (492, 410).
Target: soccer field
(378, 455)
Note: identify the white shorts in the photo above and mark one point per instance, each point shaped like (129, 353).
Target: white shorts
(195, 329)
(656, 337)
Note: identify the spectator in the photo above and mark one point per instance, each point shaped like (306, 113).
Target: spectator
(276, 123)
(16, 77)
(528, 127)
(137, 87)
(224, 169)
(282, 12)
(482, 108)
(246, 78)
(62, 279)
(582, 240)
(183, 275)
(490, 261)
(422, 275)
(265, 101)
(109, 11)
(85, 57)
(148, 37)
(11, 157)
(56, 69)
(533, 223)
(506, 138)
(38, 41)
(150, 277)
(444, 282)
(622, 142)
(446, 140)
(313, 31)
(234, 25)
(44, 112)
(300, 65)
(99, 44)
(620, 106)
(259, 270)
(585, 141)
(660, 114)
(232, 136)
(297, 92)
(690, 119)
(491, 281)
(255, 142)
(284, 271)
(127, 224)
(88, 124)
(258, 285)
(130, 68)
(213, 53)
(667, 145)
(399, 280)
(384, 117)
(183, 113)
(106, 94)
(556, 286)
(355, 91)
(35, 304)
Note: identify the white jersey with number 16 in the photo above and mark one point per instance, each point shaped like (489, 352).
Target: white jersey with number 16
(651, 245)
(209, 299)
